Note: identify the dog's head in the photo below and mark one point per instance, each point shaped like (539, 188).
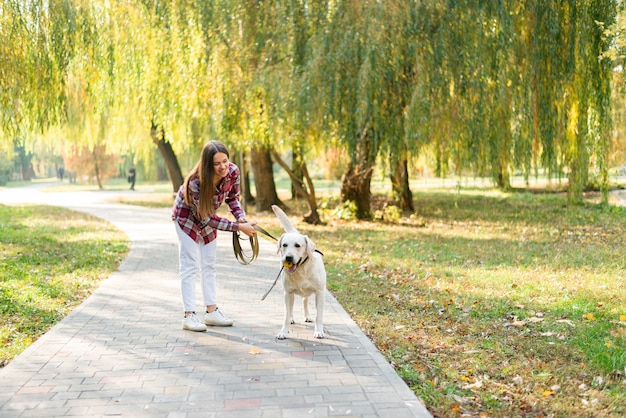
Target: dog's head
(294, 249)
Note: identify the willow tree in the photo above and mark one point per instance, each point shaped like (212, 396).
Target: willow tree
(513, 85)
(362, 86)
(167, 63)
(294, 120)
(254, 55)
(239, 39)
(34, 54)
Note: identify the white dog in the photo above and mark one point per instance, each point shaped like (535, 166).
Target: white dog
(303, 274)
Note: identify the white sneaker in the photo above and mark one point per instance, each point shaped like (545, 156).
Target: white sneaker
(217, 318)
(192, 323)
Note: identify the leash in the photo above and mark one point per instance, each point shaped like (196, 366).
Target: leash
(273, 284)
(254, 246)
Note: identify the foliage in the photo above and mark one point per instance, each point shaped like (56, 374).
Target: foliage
(51, 260)
(96, 165)
(485, 87)
(6, 167)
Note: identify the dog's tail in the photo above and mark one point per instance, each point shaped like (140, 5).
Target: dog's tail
(284, 220)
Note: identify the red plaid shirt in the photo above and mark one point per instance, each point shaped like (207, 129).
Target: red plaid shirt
(205, 230)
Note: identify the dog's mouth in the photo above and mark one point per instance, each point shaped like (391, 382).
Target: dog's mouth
(291, 267)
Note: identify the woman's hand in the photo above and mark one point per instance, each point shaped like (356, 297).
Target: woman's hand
(248, 228)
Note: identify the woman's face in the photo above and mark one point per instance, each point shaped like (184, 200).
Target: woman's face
(220, 166)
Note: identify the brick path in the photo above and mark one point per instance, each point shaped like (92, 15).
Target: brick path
(123, 352)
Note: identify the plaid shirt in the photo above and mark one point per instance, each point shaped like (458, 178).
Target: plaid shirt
(205, 230)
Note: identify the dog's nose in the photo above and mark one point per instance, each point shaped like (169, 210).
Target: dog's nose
(289, 258)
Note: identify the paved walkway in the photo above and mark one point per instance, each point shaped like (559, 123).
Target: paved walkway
(123, 352)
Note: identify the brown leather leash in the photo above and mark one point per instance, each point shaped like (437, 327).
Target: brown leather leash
(254, 246)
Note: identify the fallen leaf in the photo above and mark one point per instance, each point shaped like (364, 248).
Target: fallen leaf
(255, 350)
(534, 319)
(568, 322)
(547, 393)
(589, 316)
(622, 318)
(475, 385)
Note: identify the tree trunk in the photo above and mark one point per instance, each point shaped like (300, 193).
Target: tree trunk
(169, 157)
(266, 195)
(96, 167)
(300, 188)
(356, 187)
(358, 177)
(26, 166)
(298, 176)
(400, 182)
(246, 194)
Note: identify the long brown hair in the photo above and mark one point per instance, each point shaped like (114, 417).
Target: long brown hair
(205, 171)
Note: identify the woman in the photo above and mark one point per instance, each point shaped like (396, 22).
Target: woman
(211, 182)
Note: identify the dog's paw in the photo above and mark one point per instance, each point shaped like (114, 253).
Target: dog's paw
(308, 319)
(281, 336)
(318, 334)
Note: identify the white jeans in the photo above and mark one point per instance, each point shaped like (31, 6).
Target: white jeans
(192, 255)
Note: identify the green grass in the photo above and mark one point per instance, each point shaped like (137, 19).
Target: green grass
(51, 259)
(505, 305)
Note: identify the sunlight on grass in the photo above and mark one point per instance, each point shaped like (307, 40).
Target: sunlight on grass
(51, 259)
(491, 301)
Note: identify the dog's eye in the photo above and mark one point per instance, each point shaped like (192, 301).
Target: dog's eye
(284, 245)
(297, 245)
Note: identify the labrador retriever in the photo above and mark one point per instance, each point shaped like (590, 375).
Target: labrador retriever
(303, 274)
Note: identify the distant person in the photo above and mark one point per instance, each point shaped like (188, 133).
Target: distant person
(131, 177)
(211, 182)
(61, 172)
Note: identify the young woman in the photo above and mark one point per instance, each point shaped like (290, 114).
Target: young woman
(211, 182)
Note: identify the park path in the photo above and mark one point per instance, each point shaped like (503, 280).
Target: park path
(123, 353)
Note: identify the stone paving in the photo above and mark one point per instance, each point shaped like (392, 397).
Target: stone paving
(123, 352)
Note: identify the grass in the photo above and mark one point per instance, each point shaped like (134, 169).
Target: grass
(51, 259)
(486, 303)
(490, 304)
(502, 305)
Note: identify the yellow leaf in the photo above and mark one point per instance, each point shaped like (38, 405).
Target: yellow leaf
(255, 350)
(622, 318)
(547, 393)
(589, 316)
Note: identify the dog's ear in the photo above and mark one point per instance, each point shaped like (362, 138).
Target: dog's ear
(310, 246)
